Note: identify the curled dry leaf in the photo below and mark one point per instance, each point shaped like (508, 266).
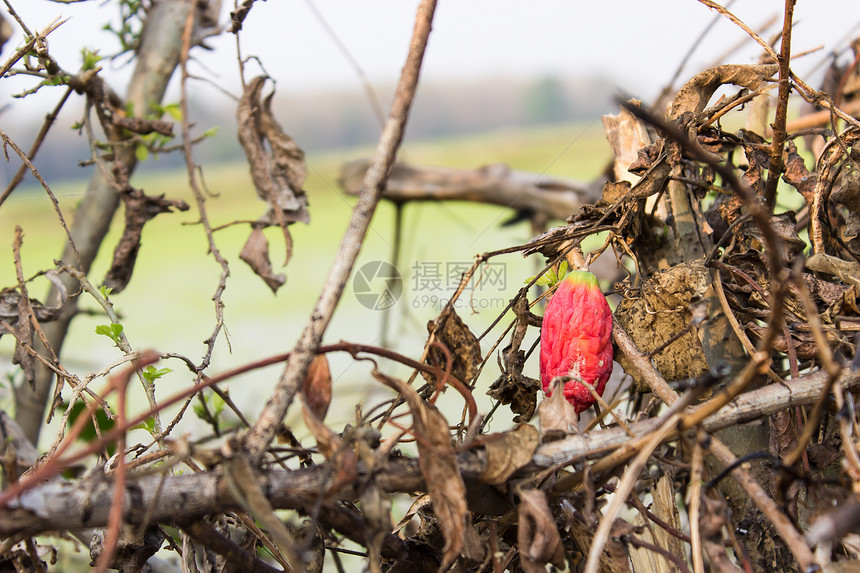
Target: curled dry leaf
(316, 387)
(538, 537)
(343, 459)
(438, 462)
(846, 271)
(558, 417)
(255, 252)
(461, 343)
(696, 93)
(278, 175)
(25, 336)
(10, 299)
(245, 486)
(513, 387)
(139, 208)
(509, 451)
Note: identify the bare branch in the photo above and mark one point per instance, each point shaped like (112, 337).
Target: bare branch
(258, 438)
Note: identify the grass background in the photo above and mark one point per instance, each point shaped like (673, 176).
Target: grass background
(168, 305)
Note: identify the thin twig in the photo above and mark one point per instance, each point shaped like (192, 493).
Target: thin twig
(740, 24)
(784, 60)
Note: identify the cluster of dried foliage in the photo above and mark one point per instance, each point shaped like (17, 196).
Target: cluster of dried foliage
(731, 446)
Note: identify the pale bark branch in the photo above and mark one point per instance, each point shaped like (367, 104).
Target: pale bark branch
(85, 503)
(258, 438)
(553, 197)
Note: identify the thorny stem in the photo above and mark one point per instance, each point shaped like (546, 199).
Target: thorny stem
(191, 166)
(257, 440)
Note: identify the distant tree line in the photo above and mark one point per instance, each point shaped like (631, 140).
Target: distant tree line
(342, 119)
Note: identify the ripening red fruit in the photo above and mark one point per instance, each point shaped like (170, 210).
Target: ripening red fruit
(576, 338)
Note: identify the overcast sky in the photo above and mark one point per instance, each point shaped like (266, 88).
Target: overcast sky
(636, 44)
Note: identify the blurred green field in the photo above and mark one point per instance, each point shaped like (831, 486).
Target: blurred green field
(168, 305)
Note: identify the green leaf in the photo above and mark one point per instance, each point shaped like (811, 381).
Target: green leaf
(211, 132)
(550, 277)
(90, 58)
(173, 110)
(148, 425)
(105, 291)
(112, 331)
(141, 152)
(217, 405)
(89, 434)
(151, 373)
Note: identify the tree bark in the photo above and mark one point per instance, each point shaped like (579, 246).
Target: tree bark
(85, 503)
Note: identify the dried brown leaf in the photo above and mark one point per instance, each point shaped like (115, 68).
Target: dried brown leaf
(278, 171)
(246, 489)
(509, 451)
(10, 299)
(520, 392)
(316, 387)
(513, 387)
(783, 437)
(615, 190)
(646, 157)
(797, 175)
(785, 225)
(279, 174)
(328, 441)
(538, 538)
(438, 462)
(139, 208)
(343, 459)
(255, 252)
(461, 343)
(846, 271)
(558, 417)
(696, 93)
(24, 336)
(803, 342)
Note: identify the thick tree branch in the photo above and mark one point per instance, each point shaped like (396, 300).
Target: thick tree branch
(497, 184)
(85, 503)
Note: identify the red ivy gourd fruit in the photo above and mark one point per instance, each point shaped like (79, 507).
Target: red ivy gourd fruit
(576, 339)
